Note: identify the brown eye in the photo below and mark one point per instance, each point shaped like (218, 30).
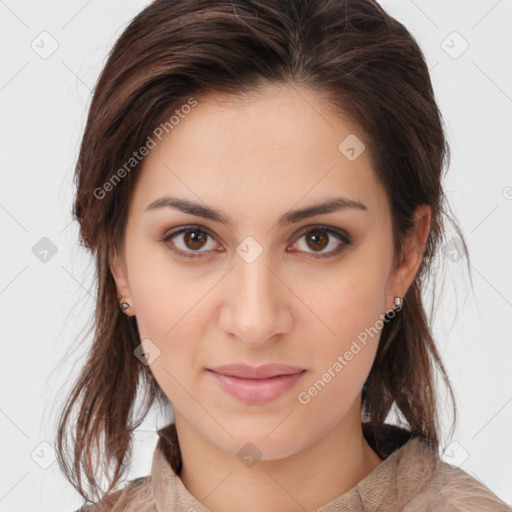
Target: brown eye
(317, 239)
(189, 241)
(195, 239)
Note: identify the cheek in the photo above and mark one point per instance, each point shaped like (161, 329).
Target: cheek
(343, 360)
(350, 309)
(171, 320)
(164, 295)
(169, 314)
(169, 302)
(349, 303)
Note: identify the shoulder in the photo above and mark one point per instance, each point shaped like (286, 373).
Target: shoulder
(452, 489)
(135, 496)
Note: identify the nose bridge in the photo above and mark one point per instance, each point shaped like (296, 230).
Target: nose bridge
(257, 305)
(254, 280)
(254, 283)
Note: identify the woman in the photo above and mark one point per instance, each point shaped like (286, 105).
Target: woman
(260, 183)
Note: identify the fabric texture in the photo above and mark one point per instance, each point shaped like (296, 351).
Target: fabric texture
(411, 478)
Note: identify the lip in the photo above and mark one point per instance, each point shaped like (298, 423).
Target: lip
(256, 372)
(257, 385)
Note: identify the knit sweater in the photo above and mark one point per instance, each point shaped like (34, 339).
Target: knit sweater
(411, 478)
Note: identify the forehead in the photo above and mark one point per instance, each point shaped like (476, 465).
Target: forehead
(276, 145)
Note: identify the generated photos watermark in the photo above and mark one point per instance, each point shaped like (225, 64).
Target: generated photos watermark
(151, 143)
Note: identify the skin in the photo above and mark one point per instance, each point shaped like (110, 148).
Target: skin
(254, 158)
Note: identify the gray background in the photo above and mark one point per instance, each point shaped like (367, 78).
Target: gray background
(44, 305)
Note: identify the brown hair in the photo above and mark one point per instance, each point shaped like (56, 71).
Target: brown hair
(370, 67)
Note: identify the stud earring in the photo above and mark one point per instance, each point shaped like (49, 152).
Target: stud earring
(123, 305)
(398, 303)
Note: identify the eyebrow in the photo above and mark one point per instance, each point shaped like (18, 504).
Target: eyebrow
(331, 205)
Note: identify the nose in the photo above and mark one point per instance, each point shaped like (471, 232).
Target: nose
(256, 304)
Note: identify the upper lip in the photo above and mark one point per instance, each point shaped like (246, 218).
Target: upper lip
(256, 372)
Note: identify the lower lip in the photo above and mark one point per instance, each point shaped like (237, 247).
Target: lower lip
(257, 391)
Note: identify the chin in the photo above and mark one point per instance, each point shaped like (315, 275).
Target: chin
(258, 442)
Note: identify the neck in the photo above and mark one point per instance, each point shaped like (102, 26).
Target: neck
(304, 480)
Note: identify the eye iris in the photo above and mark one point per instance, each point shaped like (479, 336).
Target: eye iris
(318, 237)
(194, 237)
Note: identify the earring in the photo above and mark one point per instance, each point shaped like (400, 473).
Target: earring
(123, 305)
(398, 303)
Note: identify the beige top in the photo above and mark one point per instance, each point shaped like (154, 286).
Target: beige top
(411, 478)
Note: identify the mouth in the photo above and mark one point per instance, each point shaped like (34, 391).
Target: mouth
(257, 385)
(256, 372)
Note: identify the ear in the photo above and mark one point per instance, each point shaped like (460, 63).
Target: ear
(414, 247)
(118, 269)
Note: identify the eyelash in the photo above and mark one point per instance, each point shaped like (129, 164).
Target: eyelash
(342, 237)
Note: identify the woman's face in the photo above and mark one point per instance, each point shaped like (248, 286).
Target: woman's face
(257, 289)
